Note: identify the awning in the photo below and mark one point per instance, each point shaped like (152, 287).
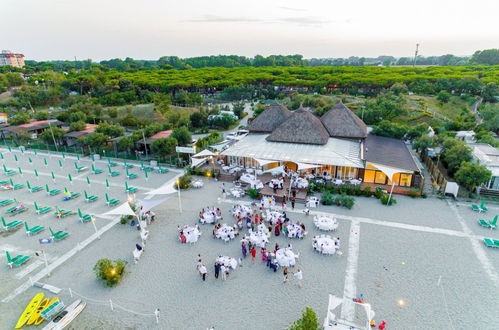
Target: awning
(302, 166)
(123, 209)
(148, 204)
(276, 170)
(390, 171)
(220, 146)
(197, 162)
(264, 162)
(204, 153)
(164, 190)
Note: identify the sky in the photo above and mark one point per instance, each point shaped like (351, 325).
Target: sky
(149, 29)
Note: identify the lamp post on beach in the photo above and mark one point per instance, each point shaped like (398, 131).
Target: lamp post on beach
(179, 200)
(95, 227)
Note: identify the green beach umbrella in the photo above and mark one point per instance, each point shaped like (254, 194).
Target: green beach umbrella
(15, 157)
(45, 161)
(10, 150)
(93, 160)
(88, 181)
(70, 178)
(22, 149)
(77, 156)
(30, 160)
(53, 176)
(36, 173)
(107, 184)
(60, 163)
(20, 170)
(63, 155)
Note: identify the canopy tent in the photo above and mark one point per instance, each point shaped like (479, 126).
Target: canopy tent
(198, 161)
(390, 172)
(123, 209)
(204, 153)
(163, 190)
(220, 146)
(303, 166)
(276, 170)
(264, 162)
(148, 204)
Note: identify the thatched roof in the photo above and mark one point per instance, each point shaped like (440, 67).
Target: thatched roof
(301, 127)
(342, 122)
(269, 119)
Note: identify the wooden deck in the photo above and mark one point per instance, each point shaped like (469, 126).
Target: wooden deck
(396, 190)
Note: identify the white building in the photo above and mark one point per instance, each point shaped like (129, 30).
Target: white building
(488, 156)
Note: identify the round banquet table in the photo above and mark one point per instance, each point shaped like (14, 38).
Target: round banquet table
(285, 257)
(325, 223)
(191, 234)
(208, 217)
(324, 244)
(225, 233)
(227, 261)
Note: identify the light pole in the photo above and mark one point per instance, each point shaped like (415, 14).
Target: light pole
(95, 227)
(179, 200)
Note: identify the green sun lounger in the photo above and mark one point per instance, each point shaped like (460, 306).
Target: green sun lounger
(17, 260)
(145, 167)
(6, 202)
(70, 195)
(59, 235)
(490, 242)
(130, 190)
(33, 189)
(113, 173)
(42, 209)
(162, 170)
(10, 225)
(80, 168)
(16, 186)
(33, 230)
(8, 172)
(483, 208)
(110, 163)
(130, 175)
(52, 192)
(96, 170)
(15, 210)
(127, 166)
(84, 217)
(4, 182)
(493, 223)
(90, 198)
(111, 201)
(62, 213)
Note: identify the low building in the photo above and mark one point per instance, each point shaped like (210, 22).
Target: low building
(11, 59)
(336, 145)
(71, 138)
(145, 144)
(3, 118)
(488, 156)
(32, 129)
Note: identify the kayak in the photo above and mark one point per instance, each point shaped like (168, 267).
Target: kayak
(36, 313)
(70, 316)
(30, 309)
(62, 315)
(40, 318)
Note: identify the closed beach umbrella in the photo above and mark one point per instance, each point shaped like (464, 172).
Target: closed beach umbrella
(88, 181)
(60, 163)
(53, 176)
(107, 184)
(20, 171)
(30, 160)
(70, 178)
(15, 157)
(63, 155)
(45, 161)
(77, 156)
(10, 150)
(36, 173)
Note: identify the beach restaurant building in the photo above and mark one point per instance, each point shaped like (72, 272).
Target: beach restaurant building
(336, 145)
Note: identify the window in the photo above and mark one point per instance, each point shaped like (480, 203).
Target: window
(405, 180)
(369, 176)
(380, 178)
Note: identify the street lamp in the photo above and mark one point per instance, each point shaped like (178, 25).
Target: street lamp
(179, 200)
(95, 227)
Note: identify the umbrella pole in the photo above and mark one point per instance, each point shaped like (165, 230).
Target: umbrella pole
(390, 197)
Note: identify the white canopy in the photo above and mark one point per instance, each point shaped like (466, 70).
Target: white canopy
(163, 190)
(204, 153)
(274, 170)
(220, 146)
(148, 204)
(390, 171)
(264, 162)
(303, 166)
(123, 209)
(196, 161)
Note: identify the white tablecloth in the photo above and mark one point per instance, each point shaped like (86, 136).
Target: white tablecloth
(355, 182)
(273, 216)
(208, 217)
(312, 202)
(295, 230)
(227, 261)
(197, 184)
(225, 233)
(300, 183)
(237, 192)
(258, 238)
(324, 244)
(286, 257)
(191, 234)
(325, 223)
(267, 201)
(241, 210)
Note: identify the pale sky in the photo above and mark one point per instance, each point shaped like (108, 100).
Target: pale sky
(148, 29)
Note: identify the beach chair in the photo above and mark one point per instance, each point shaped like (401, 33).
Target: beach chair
(110, 163)
(130, 190)
(62, 213)
(90, 198)
(17, 260)
(10, 225)
(4, 182)
(490, 243)
(6, 202)
(493, 223)
(8, 172)
(162, 170)
(483, 208)
(84, 217)
(96, 170)
(52, 192)
(17, 209)
(42, 210)
(130, 175)
(59, 235)
(145, 167)
(80, 168)
(127, 166)
(33, 230)
(70, 195)
(113, 173)
(111, 201)
(33, 189)
(16, 186)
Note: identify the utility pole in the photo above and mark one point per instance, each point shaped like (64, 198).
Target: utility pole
(415, 55)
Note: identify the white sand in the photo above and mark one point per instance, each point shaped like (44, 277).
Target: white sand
(254, 297)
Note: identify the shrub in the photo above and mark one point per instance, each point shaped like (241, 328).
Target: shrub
(327, 199)
(111, 272)
(384, 200)
(413, 194)
(345, 201)
(378, 193)
(367, 192)
(184, 182)
(124, 219)
(308, 321)
(253, 193)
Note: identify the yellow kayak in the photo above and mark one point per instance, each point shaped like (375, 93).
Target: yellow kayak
(30, 309)
(36, 313)
(40, 319)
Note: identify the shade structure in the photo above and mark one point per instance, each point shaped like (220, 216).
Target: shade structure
(276, 170)
(123, 209)
(303, 166)
(164, 190)
(197, 161)
(148, 204)
(204, 153)
(390, 171)
(220, 146)
(264, 162)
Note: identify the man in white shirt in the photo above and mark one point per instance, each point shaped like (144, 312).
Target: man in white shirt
(203, 271)
(299, 277)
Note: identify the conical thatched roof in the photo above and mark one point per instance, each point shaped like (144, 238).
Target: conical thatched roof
(269, 119)
(301, 127)
(342, 122)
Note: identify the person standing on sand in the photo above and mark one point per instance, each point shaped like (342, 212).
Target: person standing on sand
(299, 277)
(202, 272)
(243, 249)
(293, 199)
(285, 272)
(217, 269)
(253, 253)
(223, 269)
